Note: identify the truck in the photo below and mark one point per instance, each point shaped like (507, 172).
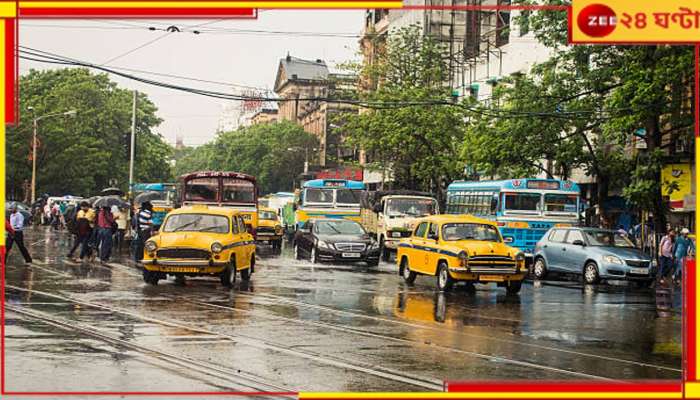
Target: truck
(389, 216)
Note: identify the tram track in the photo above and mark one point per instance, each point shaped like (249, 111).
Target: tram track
(285, 300)
(355, 365)
(243, 380)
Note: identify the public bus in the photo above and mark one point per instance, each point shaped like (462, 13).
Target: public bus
(524, 209)
(328, 198)
(222, 189)
(161, 205)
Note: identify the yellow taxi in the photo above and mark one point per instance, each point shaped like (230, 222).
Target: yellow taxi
(200, 241)
(269, 228)
(460, 248)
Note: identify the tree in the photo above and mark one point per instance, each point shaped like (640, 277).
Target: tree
(272, 152)
(80, 155)
(417, 144)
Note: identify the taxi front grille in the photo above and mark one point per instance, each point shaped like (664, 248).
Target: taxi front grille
(192, 254)
(486, 263)
(265, 229)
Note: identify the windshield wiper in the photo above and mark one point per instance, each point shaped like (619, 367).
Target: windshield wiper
(184, 226)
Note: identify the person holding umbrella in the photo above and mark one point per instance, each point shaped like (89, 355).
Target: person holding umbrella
(105, 230)
(83, 222)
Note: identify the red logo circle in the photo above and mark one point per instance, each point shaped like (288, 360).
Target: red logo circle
(597, 20)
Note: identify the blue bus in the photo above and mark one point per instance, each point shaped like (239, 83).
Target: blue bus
(524, 209)
(162, 204)
(328, 198)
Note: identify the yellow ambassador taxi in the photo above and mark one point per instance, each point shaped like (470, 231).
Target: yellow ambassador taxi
(200, 240)
(460, 248)
(269, 228)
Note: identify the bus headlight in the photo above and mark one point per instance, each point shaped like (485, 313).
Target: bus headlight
(216, 247)
(150, 246)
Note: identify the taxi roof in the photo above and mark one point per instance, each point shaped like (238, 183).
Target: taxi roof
(205, 209)
(455, 218)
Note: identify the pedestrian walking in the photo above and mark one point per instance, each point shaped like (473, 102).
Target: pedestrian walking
(105, 229)
(83, 230)
(144, 224)
(55, 216)
(681, 249)
(666, 253)
(120, 219)
(62, 208)
(15, 234)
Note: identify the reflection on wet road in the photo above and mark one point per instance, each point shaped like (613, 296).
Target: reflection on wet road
(299, 326)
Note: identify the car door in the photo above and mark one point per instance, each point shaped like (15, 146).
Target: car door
(432, 253)
(552, 249)
(247, 249)
(419, 258)
(573, 255)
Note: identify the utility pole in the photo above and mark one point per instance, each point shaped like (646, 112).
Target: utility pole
(133, 141)
(35, 123)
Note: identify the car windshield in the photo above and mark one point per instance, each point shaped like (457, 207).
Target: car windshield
(196, 223)
(412, 207)
(268, 215)
(318, 196)
(466, 231)
(341, 227)
(522, 201)
(607, 239)
(560, 203)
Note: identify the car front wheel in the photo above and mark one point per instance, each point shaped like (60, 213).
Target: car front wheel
(539, 270)
(590, 273)
(408, 275)
(444, 280)
(513, 287)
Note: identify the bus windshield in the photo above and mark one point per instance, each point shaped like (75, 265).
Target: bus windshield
(414, 207)
(522, 201)
(347, 197)
(318, 196)
(560, 203)
(202, 189)
(464, 231)
(238, 191)
(267, 215)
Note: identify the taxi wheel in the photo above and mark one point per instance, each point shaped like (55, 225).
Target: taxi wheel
(408, 275)
(228, 277)
(151, 278)
(539, 270)
(513, 287)
(590, 273)
(245, 273)
(444, 280)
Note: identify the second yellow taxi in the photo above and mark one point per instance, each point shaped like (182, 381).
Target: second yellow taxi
(200, 240)
(460, 248)
(269, 228)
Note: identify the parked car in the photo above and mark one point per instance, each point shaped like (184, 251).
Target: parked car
(200, 240)
(460, 248)
(339, 240)
(593, 253)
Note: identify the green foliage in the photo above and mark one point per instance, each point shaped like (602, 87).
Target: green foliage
(273, 152)
(418, 144)
(79, 155)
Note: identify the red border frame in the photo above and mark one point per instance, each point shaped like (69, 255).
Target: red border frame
(690, 297)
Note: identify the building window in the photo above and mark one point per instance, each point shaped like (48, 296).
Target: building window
(502, 25)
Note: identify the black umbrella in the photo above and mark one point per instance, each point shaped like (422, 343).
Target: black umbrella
(93, 199)
(109, 201)
(112, 191)
(147, 196)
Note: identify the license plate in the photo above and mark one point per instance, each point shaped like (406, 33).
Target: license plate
(491, 278)
(351, 255)
(641, 271)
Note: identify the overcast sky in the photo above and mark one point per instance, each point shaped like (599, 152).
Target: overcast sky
(221, 55)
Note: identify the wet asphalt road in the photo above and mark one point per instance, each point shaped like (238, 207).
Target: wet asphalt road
(303, 327)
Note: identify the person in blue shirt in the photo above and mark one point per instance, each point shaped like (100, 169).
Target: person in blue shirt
(16, 235)
(681, 249)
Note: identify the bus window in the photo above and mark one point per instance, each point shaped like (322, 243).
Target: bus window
(238, 191)
(560, 202)
(347, 196)
(202, 189)
(522, 201)
(312, 195)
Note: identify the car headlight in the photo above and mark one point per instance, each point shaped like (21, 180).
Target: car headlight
(324, 245)
(278, 229)
(150, 246)
(520, 260)
(216, 247)
(463, 258)
(613, 260)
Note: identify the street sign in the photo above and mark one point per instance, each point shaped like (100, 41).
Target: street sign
(634, 21)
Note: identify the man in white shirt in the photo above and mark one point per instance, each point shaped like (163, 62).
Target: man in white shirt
(17, 236)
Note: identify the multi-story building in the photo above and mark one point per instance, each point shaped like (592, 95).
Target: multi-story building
(264, 116)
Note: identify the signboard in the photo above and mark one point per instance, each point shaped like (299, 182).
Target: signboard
(549, 185)
(353, 174)
(680, 174)
(634, 21)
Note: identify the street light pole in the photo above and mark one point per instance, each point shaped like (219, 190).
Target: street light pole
(133, 141)
(35, 127)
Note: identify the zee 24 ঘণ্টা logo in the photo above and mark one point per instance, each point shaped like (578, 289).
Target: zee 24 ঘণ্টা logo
(597, 20)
